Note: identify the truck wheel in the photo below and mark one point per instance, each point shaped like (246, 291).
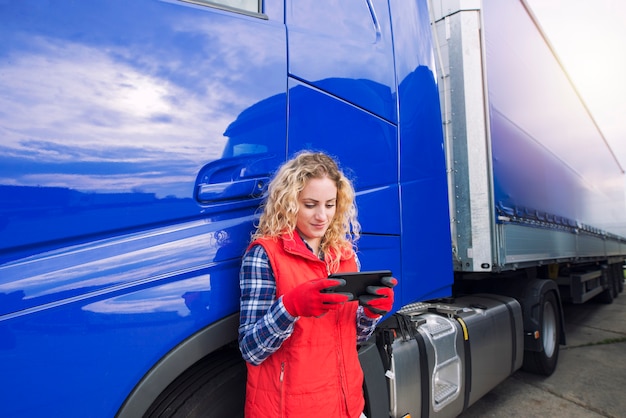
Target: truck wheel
(544, 362)
(214, 387)
(618, 276)
(607, 294)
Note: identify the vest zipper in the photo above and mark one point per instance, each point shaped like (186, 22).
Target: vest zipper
(282, 389)
(341, 366)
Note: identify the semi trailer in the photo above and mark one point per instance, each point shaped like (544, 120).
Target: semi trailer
(138, 139)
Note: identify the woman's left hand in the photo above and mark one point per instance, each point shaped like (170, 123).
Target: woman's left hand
(380, 299)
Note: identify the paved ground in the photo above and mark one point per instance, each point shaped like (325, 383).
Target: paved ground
(590, 380)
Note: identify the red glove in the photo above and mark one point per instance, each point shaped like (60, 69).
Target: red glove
(308, 300)
(380, 300)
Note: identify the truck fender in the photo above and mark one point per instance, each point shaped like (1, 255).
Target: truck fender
(176, 362)
(530, 299)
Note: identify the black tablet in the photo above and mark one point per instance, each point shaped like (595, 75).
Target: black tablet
(357, 282)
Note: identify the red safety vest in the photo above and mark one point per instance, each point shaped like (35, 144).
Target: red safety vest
(316, 372)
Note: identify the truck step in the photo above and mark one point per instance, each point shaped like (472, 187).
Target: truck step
(444, 390)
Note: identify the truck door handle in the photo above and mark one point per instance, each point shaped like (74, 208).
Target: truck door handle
(232, 190)
(234, 179)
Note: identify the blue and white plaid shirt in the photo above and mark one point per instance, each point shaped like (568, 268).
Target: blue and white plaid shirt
(264, 322)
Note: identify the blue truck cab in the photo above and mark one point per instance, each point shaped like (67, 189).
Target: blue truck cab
(137, 142)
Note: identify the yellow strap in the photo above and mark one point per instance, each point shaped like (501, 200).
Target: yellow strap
(465, 334)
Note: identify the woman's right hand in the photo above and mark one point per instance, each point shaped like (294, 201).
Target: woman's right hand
(307, 299)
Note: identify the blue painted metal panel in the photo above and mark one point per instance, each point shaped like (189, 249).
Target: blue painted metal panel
(365, 145)
(392, 169)
(110, 110)
(346, 40)
(113, 115)
(91, 321)
(425, 239)
(550, 161)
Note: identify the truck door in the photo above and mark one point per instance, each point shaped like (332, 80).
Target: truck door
(342, 100)
(362, 87)
(135, 142)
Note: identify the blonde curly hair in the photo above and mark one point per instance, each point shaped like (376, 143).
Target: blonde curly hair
(280, 209)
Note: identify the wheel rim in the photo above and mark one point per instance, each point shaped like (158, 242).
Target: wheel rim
(549, 329)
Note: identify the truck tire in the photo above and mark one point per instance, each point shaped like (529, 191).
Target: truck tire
(214, 387)
(544, 361)
(618, 276)
(608, 294)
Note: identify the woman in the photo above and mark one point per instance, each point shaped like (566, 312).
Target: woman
(300, 344)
